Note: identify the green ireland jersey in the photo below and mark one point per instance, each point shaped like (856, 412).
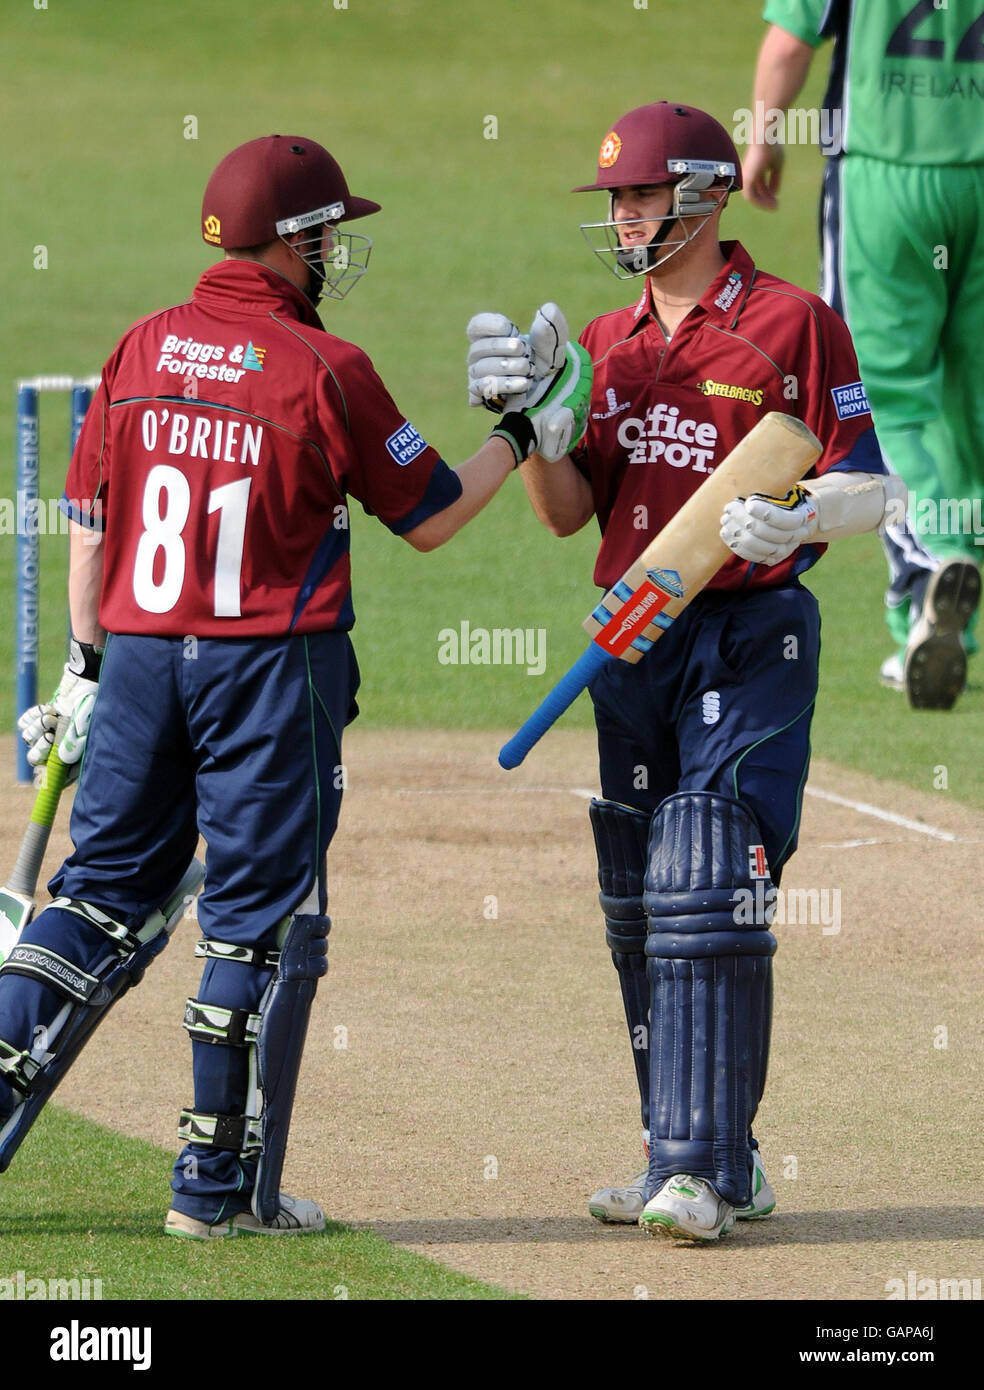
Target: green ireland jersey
(906, 77)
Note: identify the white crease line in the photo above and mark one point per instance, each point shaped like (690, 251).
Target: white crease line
(582, 792)
(879, 814)
(586, 794)
(862, 806)
(857, 844)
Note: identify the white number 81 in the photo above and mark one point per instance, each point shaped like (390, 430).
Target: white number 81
(162, 532)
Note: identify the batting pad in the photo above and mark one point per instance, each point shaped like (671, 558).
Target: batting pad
(285, 1009)
(248, 1029)
(74, 964)
(621, 834)
(709, 901)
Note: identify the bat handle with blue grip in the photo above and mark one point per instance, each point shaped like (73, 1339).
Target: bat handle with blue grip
(564, 693)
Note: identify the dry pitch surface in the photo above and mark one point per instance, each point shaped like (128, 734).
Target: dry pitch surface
(467, 1082)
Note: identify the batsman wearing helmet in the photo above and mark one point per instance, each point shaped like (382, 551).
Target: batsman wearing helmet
(704, 744)
(221, 449)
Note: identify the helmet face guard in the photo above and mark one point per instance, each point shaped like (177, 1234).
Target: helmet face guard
(689, 203)
(336, 259)
(282, 185)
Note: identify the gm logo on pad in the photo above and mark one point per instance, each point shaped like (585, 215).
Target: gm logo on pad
(758, 865)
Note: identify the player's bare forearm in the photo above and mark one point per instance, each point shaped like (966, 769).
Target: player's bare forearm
(85, 576)
(559, 495)
(783, 64)
(481, 477)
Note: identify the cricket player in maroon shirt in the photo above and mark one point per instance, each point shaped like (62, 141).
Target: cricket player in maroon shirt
(209, 500)
(704, 745)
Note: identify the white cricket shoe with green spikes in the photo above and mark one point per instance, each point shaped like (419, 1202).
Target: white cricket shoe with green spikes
(763, 1199)
(622, 1206)
(687, 1209)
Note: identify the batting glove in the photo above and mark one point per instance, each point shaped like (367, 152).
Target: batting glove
(500, 363)
(553, 415)
(505, 366)
(766, 530)
(72, 703)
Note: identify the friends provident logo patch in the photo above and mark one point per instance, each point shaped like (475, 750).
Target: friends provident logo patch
(405, 444)
(850, 400)
(212, 229)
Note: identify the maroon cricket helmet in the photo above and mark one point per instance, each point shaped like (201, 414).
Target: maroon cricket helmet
(271, 181)
(642, 148)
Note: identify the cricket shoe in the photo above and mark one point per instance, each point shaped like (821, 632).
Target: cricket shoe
(622, 1206)
(296, 1217)
(892, 673)
(687, 1209)
(763, 1200)
(935, 667)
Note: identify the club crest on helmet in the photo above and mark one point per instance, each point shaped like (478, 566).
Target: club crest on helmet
(609, 152)
(651, 146)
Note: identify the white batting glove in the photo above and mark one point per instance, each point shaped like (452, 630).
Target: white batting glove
(557, 407)
(548, 337)
(559, 396)
(554, 417)
(71, 702)
(539, 374)
(766, 530)
(500, 363)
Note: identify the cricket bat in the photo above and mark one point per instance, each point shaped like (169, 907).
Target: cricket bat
(17, 901)
(675, 565)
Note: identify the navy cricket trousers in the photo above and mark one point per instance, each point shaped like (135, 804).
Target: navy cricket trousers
(236, 738)
(239, 739)
(723, 703)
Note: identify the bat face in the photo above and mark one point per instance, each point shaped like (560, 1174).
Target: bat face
(678, 562)
(675, 565)
(15, 913)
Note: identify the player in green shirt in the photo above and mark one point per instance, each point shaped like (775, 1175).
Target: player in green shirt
(902, 230)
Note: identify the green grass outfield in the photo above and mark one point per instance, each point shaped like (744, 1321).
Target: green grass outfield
(96, 101)
(110, 1226)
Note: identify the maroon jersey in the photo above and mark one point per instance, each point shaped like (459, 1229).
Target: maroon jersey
(218, 455)
(663, 415)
